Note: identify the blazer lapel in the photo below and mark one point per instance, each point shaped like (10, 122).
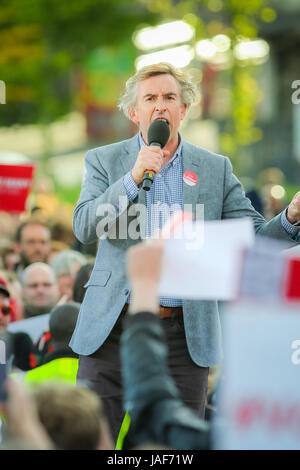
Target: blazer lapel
(128, 158)
(130, 152)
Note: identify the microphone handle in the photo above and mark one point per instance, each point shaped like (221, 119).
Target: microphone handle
(148, 177)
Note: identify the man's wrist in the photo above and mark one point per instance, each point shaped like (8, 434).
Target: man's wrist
(292, 219)
(131, 187)
(143, 298)
(292, 229)
(135, 178)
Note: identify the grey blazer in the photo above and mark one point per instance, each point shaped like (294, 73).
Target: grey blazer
(108, 287)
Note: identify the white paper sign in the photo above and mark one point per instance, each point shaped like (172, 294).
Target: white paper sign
(205, 263)
(33, 326)
(263, 274)
(259, 397)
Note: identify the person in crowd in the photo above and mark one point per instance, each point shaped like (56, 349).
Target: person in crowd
(57, 360)
(256, 200)
(61, 228)
(73, 417)
(21, 426)
(32, 243)
(9, 223)
(15, 288)
(66, 264)
(82, 277)
(39, 289)
(54, 416)
(252, 192)
(18, 345)
(110, 207)
(8, 256)
(151, 397)
(56, 247)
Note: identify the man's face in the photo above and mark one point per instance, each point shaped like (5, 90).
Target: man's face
(39, 291)
(4, 319)
(35, 244)
(158, 97)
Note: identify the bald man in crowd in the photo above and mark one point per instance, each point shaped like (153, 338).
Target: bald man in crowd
(40, 290)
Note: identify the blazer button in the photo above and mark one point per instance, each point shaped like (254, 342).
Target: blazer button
(126, 291)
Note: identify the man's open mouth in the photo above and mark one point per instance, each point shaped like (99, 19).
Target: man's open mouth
(162, 119)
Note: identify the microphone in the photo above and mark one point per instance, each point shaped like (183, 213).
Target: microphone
(158, 134)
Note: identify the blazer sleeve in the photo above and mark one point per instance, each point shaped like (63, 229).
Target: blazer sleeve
(100, 202)
(236, 204)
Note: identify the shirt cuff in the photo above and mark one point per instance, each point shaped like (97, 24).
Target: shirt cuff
(291, 229)
(131, 187)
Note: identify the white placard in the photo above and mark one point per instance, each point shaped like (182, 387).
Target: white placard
(206, 262)
(33, 326)
(259, 398)
(264, 270)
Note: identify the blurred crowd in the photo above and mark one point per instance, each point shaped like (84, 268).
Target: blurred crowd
(43, 270)
(40, 262)
(43, 273)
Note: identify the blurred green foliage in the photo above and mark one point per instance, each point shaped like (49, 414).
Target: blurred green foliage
(68, 194)
(44, 41)
(291, 190)
(237, 19)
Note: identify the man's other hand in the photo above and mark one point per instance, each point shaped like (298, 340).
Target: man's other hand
(293, 213)
(144, 270)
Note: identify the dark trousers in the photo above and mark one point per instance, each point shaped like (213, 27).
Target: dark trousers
(102, 373)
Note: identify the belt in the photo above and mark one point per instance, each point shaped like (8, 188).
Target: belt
(164, 312)
(170, 312)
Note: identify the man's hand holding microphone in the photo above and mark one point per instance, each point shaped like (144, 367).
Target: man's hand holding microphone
(152, 158)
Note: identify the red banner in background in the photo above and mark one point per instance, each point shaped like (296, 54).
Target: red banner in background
(15, 185)
(292, 284)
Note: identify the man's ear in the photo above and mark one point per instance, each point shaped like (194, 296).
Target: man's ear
(133, 115)
(183, 111)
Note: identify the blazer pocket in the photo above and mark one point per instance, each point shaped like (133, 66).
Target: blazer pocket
(98, 277)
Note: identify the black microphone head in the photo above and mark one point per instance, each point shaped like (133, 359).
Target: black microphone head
(158, 133)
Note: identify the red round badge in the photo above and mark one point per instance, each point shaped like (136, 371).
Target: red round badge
(190, 178)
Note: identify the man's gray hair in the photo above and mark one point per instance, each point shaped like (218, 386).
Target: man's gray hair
(188, 89)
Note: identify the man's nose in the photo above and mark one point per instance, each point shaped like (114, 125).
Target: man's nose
(38, 245)
(40, 289)
(160, 104)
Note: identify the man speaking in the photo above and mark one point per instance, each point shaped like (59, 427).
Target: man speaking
(111, 204)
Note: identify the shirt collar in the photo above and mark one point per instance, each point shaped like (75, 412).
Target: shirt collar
(177, 152)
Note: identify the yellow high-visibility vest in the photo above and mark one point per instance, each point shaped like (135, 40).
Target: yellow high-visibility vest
(123, 432)
(62, 369)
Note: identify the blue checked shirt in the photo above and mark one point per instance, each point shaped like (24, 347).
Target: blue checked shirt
(293, 230)
(165, 196)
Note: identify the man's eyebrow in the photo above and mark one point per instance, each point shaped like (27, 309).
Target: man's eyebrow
(150, 95)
